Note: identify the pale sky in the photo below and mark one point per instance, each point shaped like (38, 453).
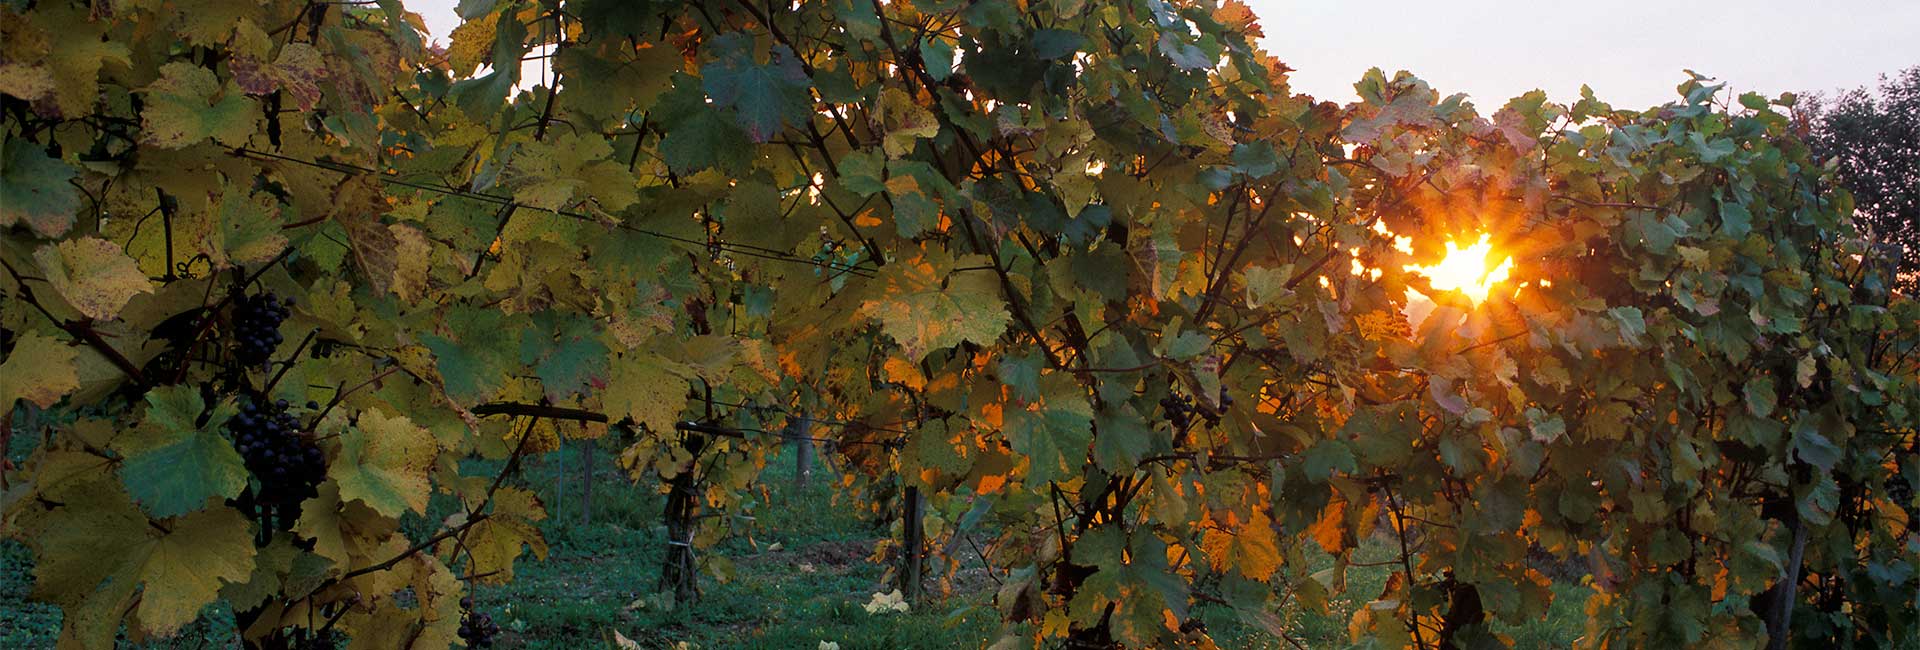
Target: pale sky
(1631, 51)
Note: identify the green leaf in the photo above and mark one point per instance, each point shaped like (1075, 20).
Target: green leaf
(864, 172)
(938, 54)
(1819, 500)
(1633, 327)
(913, 212)
(1547, 428)
(567, 356)
(1021, 372)
(1735, 220)
(1326, 457)
(174, 465)
(1188, 345)
(1760, 395)
(767, 96)
(1184, 54)
(1054, 436)
(474, 365)
(188, 105)
(707, 140)
(1811, 446)
(1056, 43)
(35, 189)
(481, 97)
(248, 229)
(1255, 159)
(1122, 438)
(1265, 285)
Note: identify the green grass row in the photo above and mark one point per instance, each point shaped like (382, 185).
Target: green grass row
(599, 576)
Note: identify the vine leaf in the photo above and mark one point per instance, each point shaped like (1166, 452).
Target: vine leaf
(343, 531)
(34, 189)
(187, 105)
(510, 527)
(1327, 457)
(298, 70)
(639, 387)
(1054, 435)
(383, 462)
(76, 63)
(927, 306)
(1760, 396)
(40, 370)
(1122, 440)
(173, 464)
(271, 562)
(375, 249)
(553, 176)
(474, 362)
(767, 96)
(110, 550)
(96, 276)
(247, 229)
(567, 356)
(907, 122)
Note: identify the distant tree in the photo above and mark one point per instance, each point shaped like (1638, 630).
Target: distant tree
(1875, 136)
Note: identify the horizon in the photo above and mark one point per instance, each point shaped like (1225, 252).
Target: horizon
(1848, 49)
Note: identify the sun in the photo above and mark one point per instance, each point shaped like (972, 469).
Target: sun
(1465, 270)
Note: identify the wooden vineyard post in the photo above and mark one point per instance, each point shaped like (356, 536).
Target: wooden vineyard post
(913, 545)
(797, 429)
(678, 572)
(586, 482)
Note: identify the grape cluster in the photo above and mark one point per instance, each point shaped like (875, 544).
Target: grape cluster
(476, 628)
(256, 327)
(1180, 409)
(269, 439)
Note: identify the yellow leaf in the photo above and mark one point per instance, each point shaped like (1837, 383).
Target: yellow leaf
(927, 305)
(384, 463)
(640, 388)
(412, 252)
(1330, 531)
(497, 541)
(472, 43)
(29, 82)
(1255, 548)
(343, 531)
(97, 549)
(93, 274)
(905, 373)
(906, 122)
(40, 370)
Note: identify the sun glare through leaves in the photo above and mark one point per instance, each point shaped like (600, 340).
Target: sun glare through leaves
(1465, 270)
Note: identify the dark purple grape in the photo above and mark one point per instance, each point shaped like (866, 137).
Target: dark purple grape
(256, 328)
(273, 448)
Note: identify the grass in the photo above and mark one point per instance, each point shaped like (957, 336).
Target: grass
(598, 577)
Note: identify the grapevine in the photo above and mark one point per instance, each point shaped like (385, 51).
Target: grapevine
(1092, 273)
